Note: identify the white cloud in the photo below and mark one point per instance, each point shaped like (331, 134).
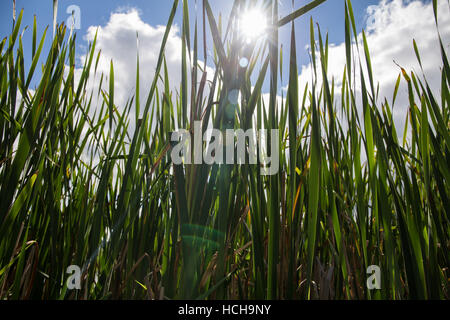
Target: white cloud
(118, 42)
(390, 29)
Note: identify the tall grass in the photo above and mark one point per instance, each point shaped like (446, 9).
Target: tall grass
(78, 186)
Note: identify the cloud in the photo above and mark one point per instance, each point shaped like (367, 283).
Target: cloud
(391, 27)
(118, 42)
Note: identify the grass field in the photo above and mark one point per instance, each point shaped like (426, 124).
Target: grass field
(79, 186)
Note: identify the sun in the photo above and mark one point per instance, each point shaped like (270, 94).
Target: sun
(253, 24)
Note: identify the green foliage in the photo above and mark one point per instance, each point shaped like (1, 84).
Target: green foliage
(77, 188)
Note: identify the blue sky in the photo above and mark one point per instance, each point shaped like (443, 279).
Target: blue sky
(155, 12)
(391, 26)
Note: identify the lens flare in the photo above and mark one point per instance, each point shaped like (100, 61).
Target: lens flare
(253, 24)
